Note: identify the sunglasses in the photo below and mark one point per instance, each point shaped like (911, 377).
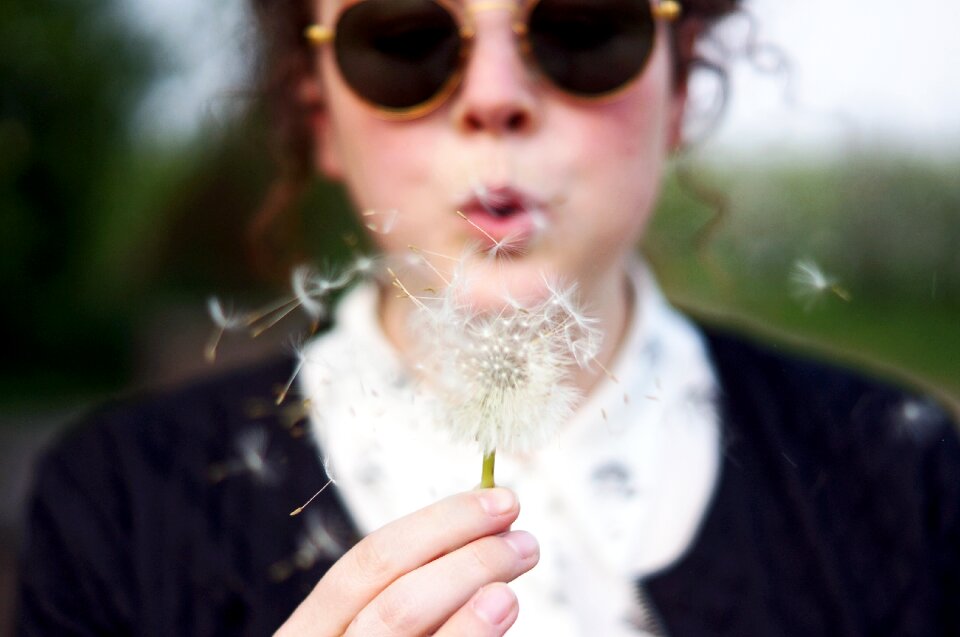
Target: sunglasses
(405, 57)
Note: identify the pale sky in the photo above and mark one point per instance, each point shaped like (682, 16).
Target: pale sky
(865, 72)
(880, 70)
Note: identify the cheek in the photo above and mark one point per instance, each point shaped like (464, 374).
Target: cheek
(382, 162)
(376, 158)
(621, 157)
(625, 152)
(636, 127)
(386, 169)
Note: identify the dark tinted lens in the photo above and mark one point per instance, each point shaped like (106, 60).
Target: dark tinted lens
(397, 53)
(591, 47)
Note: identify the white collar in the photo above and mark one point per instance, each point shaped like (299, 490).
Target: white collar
(619, 495)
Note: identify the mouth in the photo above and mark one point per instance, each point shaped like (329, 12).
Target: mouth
(505, 218)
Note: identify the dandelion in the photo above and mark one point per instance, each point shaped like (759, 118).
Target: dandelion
(503, 378)
(810, 283)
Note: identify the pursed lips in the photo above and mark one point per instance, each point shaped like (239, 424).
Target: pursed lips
(503, 213)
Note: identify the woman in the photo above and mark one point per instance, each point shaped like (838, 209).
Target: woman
(703, 487)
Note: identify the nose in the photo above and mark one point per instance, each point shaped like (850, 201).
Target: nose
(495, 96)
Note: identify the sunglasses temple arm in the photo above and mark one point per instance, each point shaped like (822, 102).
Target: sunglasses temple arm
(318, 35)
(667, 10)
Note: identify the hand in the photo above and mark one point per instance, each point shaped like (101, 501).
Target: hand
(442, 568)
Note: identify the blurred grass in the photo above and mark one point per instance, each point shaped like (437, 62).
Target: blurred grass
(70, 72)
(885, 226)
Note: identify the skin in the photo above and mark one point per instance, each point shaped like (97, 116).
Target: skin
(441, 568)
(598, 168)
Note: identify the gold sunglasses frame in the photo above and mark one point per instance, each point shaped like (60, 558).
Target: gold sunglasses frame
(319, 35)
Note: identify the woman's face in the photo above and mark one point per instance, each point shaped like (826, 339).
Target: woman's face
(569, 184)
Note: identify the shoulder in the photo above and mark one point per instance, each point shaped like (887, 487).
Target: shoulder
(183, 492)
(876, 460)
(806, 396)
(842, 489)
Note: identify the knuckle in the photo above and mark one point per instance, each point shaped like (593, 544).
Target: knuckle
(487, 555)
(390, 613)
(396, 612)
(373, 559)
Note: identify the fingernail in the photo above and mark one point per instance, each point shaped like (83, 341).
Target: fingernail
(523, 543)
(493, 604)
(497, 501)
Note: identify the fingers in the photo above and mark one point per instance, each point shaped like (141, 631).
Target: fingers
(396, 549)
(423, 599)
(489, 613)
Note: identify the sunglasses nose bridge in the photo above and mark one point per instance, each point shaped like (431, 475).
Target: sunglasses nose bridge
(495, 93)
(480, 6)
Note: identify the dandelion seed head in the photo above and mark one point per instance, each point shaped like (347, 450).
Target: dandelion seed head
(504, 378)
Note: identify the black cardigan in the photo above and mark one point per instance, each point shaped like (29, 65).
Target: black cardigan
(837, 513)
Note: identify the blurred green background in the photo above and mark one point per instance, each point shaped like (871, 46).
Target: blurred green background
(110, 241)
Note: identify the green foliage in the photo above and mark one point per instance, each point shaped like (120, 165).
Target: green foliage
(884, 226)
(70, 73)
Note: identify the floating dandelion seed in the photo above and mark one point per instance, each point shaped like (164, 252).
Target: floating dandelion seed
(917, 417)
(381, 222)
(224, 321)
(251, 458)
(580, 330)
(810, 283)
(330, 480)
(312, 289)
(362, 266)
(311, 292)
(301, 356)
(302, 280)
(510, 245)
(503, 378)
(317, 543)
(303, 506)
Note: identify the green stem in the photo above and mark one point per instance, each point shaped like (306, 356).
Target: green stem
(486, 478)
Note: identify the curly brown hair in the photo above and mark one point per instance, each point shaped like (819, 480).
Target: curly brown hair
(285, 58)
